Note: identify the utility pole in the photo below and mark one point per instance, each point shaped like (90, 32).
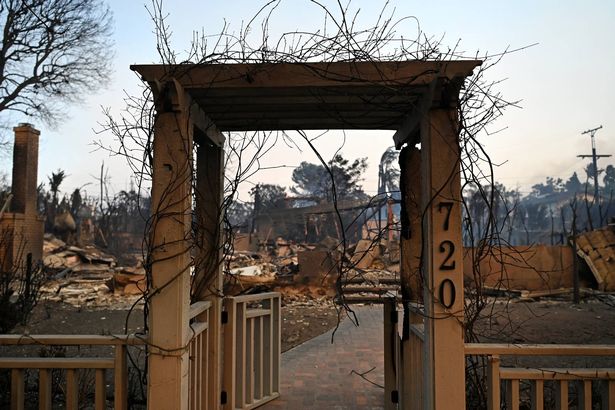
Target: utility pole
(594, 156)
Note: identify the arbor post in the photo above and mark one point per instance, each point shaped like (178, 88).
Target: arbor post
(169, 287)
(444, 370)
(209, 275)
(410, 262)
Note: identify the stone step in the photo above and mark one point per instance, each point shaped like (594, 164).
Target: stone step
(370, 289)
(383, 281)
(352, 299)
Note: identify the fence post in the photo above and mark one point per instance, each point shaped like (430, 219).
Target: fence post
(230, 356)
(608, 395)
(512, 394)
(277, 341)
(44, 389)
(17, 389)
(390, 332)
(493, 383)
(561, 395)
(538, 396)
(120, 378)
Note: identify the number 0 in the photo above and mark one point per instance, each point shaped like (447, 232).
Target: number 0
(441, 291)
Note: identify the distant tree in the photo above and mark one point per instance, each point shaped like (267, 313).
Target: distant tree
(309, 179)
(474, 212)
(238, 213)
(53, 51)
(609, 181)
(75, 202)
(552, 186)
(125, 212)
(4, 144)
(5, 189)
(267, 197)
(388, 171)
(51, 198)
(477, 215)
(315, 181)
(537, 216)
(574, 185)
(511, 215)
(4, 182)
(55, 180)
(590, 171)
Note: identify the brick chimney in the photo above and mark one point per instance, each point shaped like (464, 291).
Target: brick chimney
(25, 170)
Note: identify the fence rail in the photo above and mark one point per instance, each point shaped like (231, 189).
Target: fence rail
(70, 366)
(508, 379)
(252, 350)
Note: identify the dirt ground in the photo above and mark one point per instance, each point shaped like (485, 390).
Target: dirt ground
(549, 321)
(301, 320)
(545, 321)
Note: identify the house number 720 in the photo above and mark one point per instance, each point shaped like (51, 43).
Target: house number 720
(448, 249)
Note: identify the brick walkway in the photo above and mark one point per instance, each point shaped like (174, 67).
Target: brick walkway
(317, 374)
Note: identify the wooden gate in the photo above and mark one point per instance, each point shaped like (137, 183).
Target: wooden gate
(251, 350)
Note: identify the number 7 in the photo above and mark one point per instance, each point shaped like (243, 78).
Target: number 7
(449, 207)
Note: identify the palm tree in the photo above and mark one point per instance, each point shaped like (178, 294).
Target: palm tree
(55, 180)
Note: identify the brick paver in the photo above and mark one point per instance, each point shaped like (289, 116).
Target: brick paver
(317, 374)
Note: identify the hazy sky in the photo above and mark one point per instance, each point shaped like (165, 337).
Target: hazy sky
(566, 82)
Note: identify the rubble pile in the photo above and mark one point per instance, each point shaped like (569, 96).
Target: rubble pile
(61, 259)
(88, 276)
(311, 267)
(129, 280)
(248, 268)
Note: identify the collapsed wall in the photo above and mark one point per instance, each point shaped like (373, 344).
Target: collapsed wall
(533, 268)
(597, 248)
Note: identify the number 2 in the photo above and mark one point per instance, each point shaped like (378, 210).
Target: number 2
(447, 247)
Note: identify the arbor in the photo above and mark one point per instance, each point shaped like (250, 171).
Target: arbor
(316, 181)
(52, 52)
